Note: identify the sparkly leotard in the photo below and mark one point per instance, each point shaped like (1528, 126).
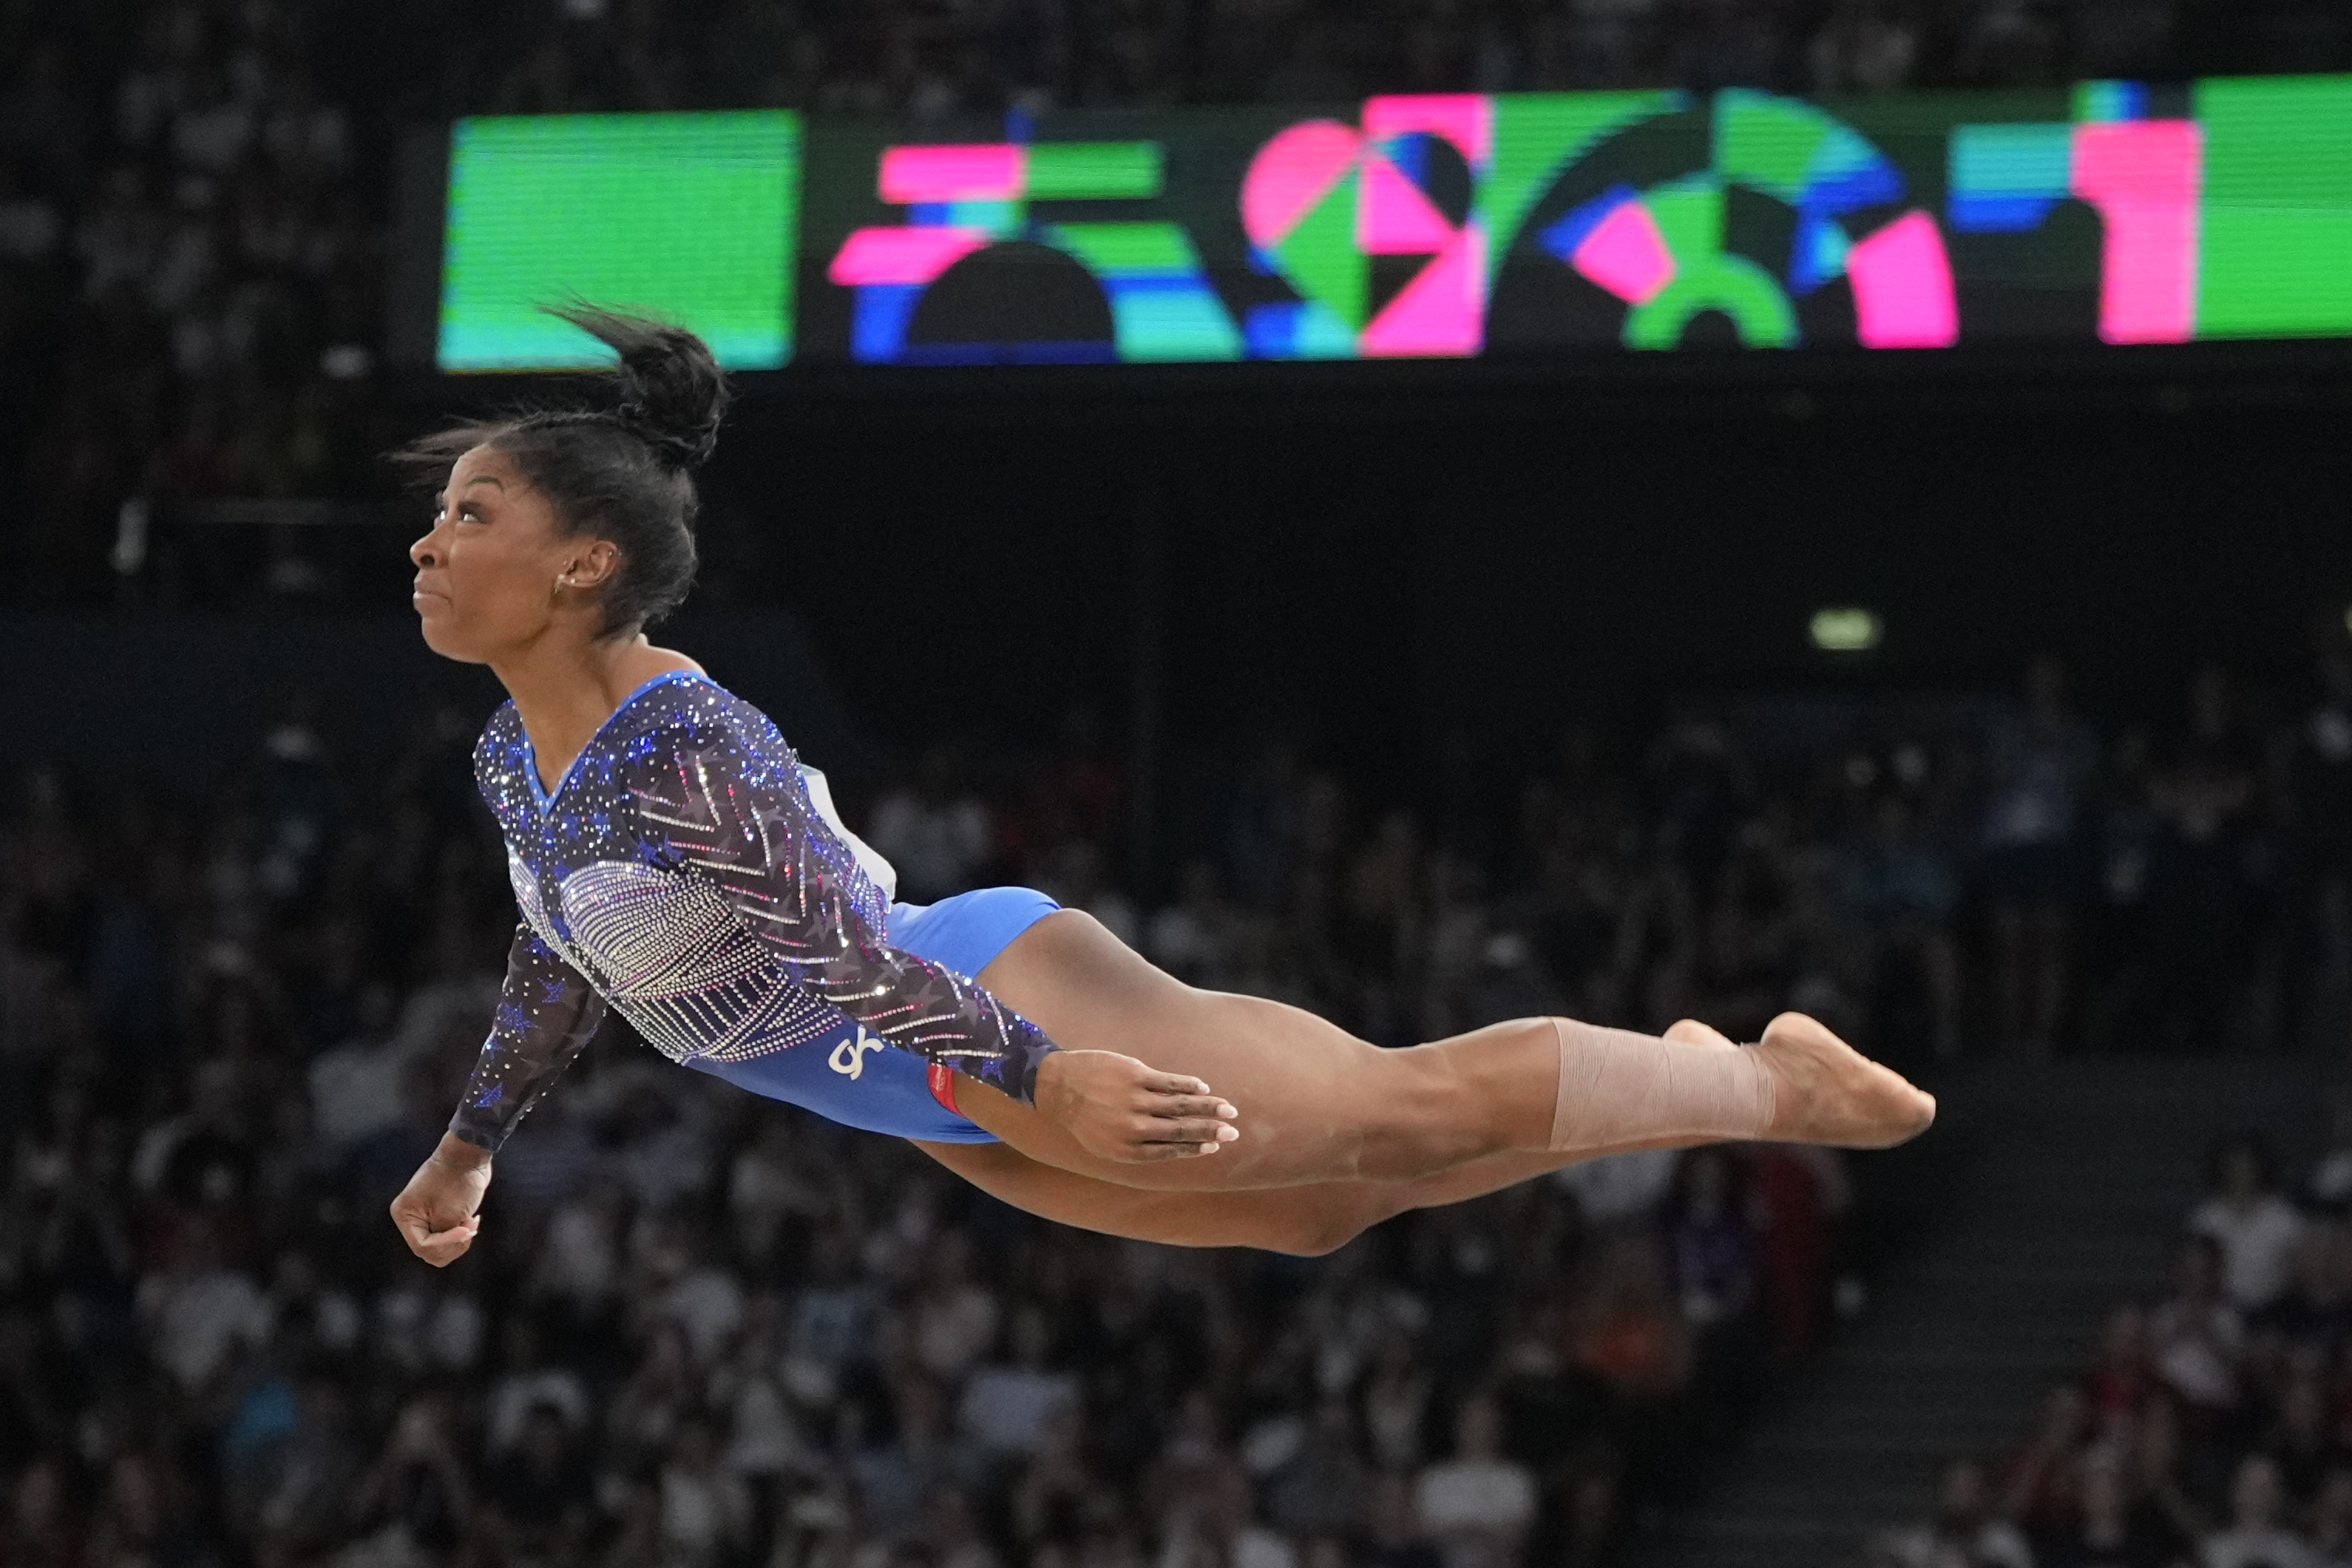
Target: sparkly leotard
(680, 872)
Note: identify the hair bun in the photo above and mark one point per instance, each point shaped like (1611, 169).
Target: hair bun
(673, 393)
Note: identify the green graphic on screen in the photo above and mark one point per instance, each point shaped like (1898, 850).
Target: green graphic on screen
(2278, 207)
(690, 215)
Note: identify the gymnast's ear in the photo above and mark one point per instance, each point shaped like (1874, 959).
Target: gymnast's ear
(590, 564)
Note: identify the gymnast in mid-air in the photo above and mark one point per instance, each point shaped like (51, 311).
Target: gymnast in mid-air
(673, 859)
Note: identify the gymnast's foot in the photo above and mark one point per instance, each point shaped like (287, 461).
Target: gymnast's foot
(1824, 1091)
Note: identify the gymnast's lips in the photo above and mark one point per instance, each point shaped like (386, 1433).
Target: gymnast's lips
(420, 593)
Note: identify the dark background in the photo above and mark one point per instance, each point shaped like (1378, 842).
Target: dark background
(1379, 553)
(1374, 556)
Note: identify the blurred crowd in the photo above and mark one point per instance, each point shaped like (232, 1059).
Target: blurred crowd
(2214, 1428)
(701, 1328)
(195, 194)
(2006, 872)
(708, 1331)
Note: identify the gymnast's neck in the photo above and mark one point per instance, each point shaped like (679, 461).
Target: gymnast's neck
(565, 687)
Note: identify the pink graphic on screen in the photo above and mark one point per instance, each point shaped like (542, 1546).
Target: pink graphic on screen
(979, 171)
(1464, 119)
(909, 255)
(1626, 254)
(1902, 278)
(1291, 173)
(1394, 218)
(1441, 311)
(2146, 178)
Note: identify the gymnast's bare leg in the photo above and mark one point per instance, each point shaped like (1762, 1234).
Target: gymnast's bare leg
(1308, 1220)
(1317, 1106)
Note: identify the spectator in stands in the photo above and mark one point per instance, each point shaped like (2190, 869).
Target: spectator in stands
(935, 831)
(2039, 1493)
(145, 1513)
(416, 1502)
(539, 1499)
(1320, 1491)
(2108, 1531)
(2039, 762)
(2331, 1519)
(2159, 1468)
(2198, 1336)
(1963, 1532)
(1711, 1241)
(2301, 1442)
(2160, 1514)
(1625, 1330)
(1009, 1408)
(706, 1510)
(1478, 1506)
(2318, 882)
(1800, 1195)
(2256, 1535)
(2206, 890)
(1901, 895)
(1393, 1536)
(1867, 46)
(2257, 1229)
(1198, 938)
(1711, 1250)
(2316, 1314)
(2119, 1382)
(2330, 1185)
(202, 1314)
(40, 1529)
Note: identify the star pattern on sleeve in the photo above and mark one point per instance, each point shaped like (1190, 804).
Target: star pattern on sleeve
(547, 1013)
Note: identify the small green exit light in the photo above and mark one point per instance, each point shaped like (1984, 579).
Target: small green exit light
(1843, 629)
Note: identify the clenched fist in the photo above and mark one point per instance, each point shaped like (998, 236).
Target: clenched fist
(435, 1211)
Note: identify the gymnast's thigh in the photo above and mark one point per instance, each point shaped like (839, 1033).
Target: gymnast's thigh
(1308, 1092)
(1302, 1220)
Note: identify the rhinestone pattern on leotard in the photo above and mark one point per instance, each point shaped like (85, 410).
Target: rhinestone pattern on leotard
(681, 874)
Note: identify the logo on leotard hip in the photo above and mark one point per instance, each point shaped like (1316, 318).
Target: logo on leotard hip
(848, 1058)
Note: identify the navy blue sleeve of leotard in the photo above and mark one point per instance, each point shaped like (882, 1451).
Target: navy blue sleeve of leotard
(547, 1013)
(704, 803)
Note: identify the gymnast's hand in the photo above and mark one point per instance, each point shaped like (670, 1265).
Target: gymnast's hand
(1120, 1109)
(436, 1211)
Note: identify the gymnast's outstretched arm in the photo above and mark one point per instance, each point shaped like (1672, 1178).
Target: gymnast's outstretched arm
(547, 1013)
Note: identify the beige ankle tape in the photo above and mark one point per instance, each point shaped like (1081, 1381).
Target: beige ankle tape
(1618, 1089)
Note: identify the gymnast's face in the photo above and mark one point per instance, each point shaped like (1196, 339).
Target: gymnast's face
(499, 573)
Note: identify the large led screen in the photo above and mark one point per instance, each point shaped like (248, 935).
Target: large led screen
(1512, 224)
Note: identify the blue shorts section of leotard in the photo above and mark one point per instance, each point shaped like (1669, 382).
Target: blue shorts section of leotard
(851, 1078)
(966, 932)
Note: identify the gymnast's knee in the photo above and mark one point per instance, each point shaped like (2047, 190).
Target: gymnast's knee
(1443, 1104)
(1319, 1229)
(1313, 1241)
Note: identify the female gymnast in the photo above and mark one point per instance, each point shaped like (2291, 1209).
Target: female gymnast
(673, 859)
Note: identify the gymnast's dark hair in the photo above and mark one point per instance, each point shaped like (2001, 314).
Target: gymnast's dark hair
(623, 470)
